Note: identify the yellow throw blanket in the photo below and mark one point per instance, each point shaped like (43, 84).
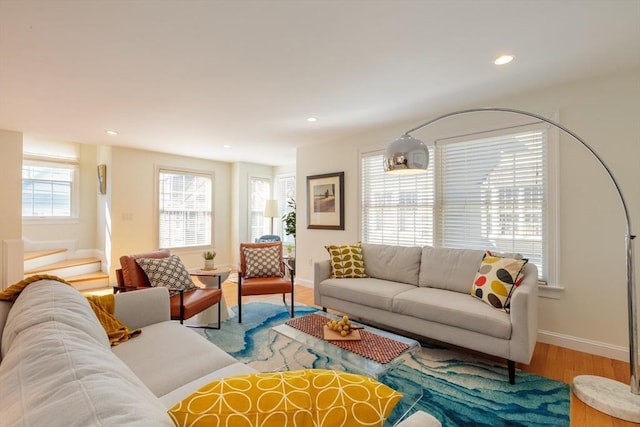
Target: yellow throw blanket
(13, 291)
(103, 307)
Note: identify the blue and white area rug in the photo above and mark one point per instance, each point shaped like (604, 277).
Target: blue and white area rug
(459, 389)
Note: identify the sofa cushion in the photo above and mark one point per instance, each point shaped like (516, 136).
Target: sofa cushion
(263, 262)
(454, 309)
(182, 392)
(180, 354)
(369, 292)
(313, 397)
(450, 269)
(56, 372)
(169, 272)
(346, 261)
(496, 280)
(50, 300)
(396, 263)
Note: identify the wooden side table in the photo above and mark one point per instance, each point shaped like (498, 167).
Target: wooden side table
(211, 279)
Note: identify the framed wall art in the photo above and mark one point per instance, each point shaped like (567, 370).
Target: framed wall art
(325, 201)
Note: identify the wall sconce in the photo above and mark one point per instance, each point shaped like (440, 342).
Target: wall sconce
(102, 179)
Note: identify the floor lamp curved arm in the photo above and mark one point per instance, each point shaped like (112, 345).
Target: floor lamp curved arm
(603, 394)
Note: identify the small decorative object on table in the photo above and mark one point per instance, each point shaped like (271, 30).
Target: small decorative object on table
(341, 329)
(209, 258)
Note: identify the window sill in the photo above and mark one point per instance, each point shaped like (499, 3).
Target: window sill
(49, 221)
(553, 292)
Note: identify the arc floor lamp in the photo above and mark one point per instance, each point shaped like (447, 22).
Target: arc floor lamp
(410, 155)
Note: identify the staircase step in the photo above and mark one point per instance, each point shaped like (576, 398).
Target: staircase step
(98, 275)
(97, 291)
(39, 254)
(70, 262)
(90, 281)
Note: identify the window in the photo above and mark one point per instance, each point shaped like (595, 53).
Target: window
(48, 189)
(185, 206)
(479, 192)
(396, 209)
(260, 192)
(50, 180)
(285, 190)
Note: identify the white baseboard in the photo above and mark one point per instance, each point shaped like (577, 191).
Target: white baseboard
(587, 346)
(304, 282)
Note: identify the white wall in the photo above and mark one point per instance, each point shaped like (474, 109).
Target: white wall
(242, 172)
(11, 200)
(103, 211)
(133, 201)
(591, 313)
(82, 229)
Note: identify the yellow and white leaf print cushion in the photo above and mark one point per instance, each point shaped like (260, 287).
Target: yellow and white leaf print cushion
(346, 261)
(312, 397)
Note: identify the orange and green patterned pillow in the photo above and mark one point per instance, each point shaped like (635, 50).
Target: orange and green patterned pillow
(346, 261)
(496, 280)
(312, 397)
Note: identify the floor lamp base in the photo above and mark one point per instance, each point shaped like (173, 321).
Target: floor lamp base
(606, 395)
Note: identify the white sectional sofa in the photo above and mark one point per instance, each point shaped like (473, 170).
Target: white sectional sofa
(426, 291)
(57, 367)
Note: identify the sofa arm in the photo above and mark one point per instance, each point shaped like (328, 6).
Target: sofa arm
(321, 271)
(524, 316)
(138, 309)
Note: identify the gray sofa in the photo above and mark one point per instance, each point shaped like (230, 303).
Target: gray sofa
(425, 291)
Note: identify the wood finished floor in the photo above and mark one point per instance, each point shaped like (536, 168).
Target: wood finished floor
(549, 361)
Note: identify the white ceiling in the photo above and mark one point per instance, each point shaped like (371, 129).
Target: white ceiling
(188, 77)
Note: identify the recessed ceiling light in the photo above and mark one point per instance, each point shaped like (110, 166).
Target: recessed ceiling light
(312, 119)
(226, 146)
(111, 132)
(504, 59)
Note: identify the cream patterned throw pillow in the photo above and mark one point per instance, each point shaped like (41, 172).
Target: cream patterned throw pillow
(496, 280)
(346, 261)
(262, 262)
(168, 272)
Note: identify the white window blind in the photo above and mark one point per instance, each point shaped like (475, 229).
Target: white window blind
(47, 189)
(491, 194)
(260, 192)
(285, 190)
(396, 209)
(482, 193)
(185, 209)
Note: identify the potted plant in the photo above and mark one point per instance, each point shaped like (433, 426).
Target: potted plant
(289, 220)
(209, 257)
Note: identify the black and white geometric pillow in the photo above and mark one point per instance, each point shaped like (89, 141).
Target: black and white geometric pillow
(263, 262)
(168, 272)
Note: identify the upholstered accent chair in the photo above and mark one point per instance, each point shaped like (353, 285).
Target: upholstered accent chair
(268, 238)
(184, 303)
(263, 271)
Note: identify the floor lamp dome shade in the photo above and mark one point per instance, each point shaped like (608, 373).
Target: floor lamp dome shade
(406, 155)
(603, 394)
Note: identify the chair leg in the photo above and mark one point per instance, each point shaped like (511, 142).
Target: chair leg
(181, 306)
(219, 318)
(511, 366)
(292, 303)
